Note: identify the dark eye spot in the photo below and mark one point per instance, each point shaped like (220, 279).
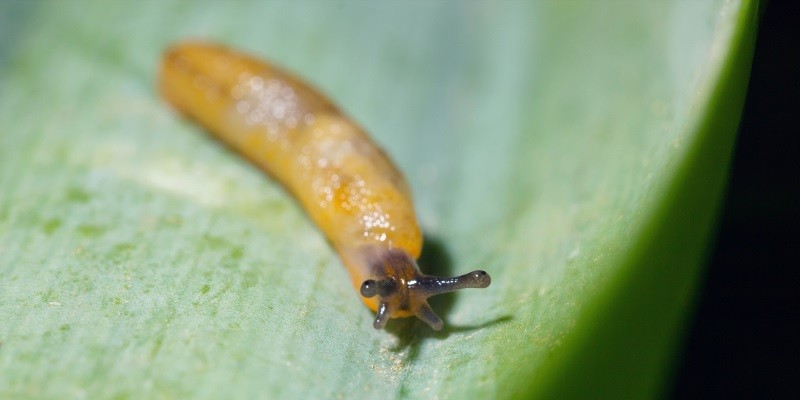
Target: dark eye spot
(369, 288)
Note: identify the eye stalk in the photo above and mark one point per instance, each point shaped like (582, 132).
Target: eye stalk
(404, 291)
(433, 285)
(383, 288)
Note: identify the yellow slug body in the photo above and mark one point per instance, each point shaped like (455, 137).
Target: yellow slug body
(343, 180)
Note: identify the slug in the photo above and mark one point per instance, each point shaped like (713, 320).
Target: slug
(346, 184)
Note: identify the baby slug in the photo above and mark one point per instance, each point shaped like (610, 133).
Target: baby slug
(344, 181)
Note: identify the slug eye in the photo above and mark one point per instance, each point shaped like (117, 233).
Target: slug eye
(383, 288)
(369, 288)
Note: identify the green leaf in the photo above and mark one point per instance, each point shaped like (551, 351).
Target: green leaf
(575, 150)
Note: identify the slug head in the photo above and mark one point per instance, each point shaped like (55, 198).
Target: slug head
(403, 290)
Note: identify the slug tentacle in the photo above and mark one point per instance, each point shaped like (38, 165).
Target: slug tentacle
(382, 317)
(425, 313)
(434, 285)
(403, 290)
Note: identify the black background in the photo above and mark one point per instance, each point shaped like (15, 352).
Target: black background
(742, 340)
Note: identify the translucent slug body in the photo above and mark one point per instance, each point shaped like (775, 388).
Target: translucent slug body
(343, 180)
